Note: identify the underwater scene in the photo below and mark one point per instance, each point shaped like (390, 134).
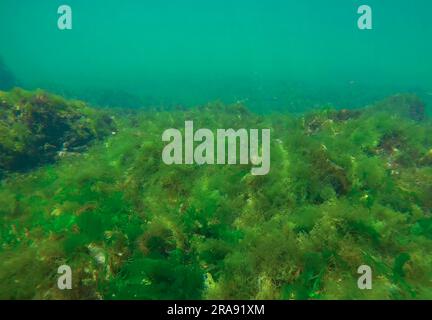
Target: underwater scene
(215, 150)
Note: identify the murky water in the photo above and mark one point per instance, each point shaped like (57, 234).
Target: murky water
(190, 52)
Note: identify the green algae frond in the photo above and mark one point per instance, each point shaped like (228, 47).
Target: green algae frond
(346, 188)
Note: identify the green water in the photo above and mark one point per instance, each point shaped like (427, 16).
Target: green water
(349, 181)
(191, 52)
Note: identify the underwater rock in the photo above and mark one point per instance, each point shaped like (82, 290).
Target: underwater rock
(405, 105)
(345, 114)
(36, 127)
(314, 122)
(391, 142)
(330, 172)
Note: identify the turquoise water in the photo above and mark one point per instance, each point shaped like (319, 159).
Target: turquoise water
(91, 189)
(189, 52)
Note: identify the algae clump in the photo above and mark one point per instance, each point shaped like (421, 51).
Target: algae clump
(36, 127)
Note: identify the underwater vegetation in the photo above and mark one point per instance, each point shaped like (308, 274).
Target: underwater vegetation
(346, 188)
(36, 127)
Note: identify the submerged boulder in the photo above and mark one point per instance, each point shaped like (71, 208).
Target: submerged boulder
(36, 126)
(405, 105)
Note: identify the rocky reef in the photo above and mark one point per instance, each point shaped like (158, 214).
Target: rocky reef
(405, 105)
(37, 127)
(346, 188)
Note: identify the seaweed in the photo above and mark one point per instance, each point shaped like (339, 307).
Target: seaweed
(405, 105)
(346, 188)
(37, 127)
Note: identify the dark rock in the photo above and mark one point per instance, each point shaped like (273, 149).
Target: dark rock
(36, 126)
(405, 105)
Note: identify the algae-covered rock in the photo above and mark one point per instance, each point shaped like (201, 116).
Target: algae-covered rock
(405, 105)
(36, 126)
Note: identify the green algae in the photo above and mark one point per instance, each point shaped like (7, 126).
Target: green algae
(346, 188)
(36, 126)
